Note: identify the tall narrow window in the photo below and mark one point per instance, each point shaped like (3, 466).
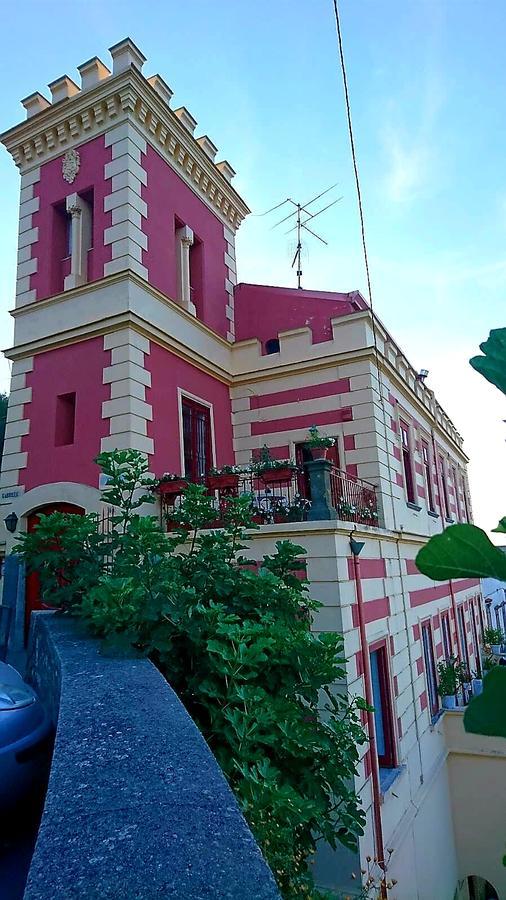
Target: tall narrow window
(383, 719)
(407, 462)
(197, 274)
(475, 639)
(456, 489)
(196, 440)
(428, 475)
(479, 602)
(464, 649)
(446, 502)
(430, 668)
(466, 501)
(65, 420)
(445, 631)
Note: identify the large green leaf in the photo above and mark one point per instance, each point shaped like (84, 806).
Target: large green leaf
(501, 528)
(493, 364)
(485, 713)
(461, 551)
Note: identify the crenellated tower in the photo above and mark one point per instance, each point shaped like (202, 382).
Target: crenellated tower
(125, 279)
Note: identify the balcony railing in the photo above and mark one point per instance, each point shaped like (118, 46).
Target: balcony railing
(320, 492)
(275, 497)
(354, 500)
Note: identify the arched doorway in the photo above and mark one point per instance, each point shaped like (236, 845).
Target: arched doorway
(480, 889)
(32, 588)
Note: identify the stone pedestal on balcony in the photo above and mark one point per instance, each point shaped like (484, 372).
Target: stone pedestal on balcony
(319, 477)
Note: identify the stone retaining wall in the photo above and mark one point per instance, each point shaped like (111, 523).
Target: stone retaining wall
(137, 806)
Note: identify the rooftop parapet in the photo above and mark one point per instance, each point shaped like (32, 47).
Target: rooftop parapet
(101, 97)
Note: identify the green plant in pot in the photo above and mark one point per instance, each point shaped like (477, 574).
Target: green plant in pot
(493, 637)
(448, 678)
(318, 444)
(465, 680)
(477, 684)
(272, 470)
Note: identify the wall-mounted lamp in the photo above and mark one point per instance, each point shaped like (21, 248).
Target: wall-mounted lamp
(422, 375)
(11, 522)
(356, 546)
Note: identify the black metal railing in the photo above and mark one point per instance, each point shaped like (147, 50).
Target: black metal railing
(274, 496)
(354, 500)
(278, 496)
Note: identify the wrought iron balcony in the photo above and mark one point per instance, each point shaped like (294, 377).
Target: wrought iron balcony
(318, 491)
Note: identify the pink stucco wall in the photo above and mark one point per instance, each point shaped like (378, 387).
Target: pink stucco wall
(52, 191)
(75, 368)
(168, 199)
(263, 312)
(168, 373)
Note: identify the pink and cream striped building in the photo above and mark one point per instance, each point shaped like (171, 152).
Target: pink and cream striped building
(132, 331)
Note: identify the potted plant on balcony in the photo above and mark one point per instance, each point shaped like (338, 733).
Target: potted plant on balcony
(368, 512)
(493, 637)
(464, 679)
(477, 684)
(273, 470)
(346, 509)
(448, 685)
(170, 485)
(318, 444)
(298, 509)
(278, 509)
(224, 477)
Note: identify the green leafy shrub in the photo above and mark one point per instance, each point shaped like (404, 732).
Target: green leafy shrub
(235, 644)
(493, 636)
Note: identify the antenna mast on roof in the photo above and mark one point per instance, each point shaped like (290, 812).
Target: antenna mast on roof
(304, 215)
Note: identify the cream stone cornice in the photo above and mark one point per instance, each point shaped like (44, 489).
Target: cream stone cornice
(127, 97)
(77, 314)
(63, 320)
(307, 356)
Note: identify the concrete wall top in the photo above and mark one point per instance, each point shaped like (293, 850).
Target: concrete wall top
(135, 800)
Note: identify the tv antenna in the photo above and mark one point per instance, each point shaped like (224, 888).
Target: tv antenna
(303, 216)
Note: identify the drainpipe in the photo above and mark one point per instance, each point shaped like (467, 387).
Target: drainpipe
(356, 547)
(441, 510)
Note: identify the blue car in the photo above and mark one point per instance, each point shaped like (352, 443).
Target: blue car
(25, 738)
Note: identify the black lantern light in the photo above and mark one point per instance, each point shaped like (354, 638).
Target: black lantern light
(11, 522)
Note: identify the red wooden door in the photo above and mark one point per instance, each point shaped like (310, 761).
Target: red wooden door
(32, 587)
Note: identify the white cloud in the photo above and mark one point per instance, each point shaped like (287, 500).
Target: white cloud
(408, 165)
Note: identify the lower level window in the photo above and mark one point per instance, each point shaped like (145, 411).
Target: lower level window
(196, 440)
(430, 668)
(383, 723)
(464, 649)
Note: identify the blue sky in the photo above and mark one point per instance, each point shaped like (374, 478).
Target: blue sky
(427, 85)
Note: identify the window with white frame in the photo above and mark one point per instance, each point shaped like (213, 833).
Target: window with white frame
(427, 468)
(430, 668)
(407, 461)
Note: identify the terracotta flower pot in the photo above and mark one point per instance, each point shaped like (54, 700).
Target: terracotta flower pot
(319, 452)
(273, 476)
(219, 482)
(172, 488)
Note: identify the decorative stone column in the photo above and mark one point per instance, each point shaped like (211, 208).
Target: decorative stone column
(184, 238)
(78, 262)
(321, 496)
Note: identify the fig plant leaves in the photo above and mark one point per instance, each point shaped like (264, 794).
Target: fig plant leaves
(493, 364)
(486, 712)
(461, 551)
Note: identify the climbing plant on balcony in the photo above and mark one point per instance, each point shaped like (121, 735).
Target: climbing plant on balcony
(465, 551)
(237, 647)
